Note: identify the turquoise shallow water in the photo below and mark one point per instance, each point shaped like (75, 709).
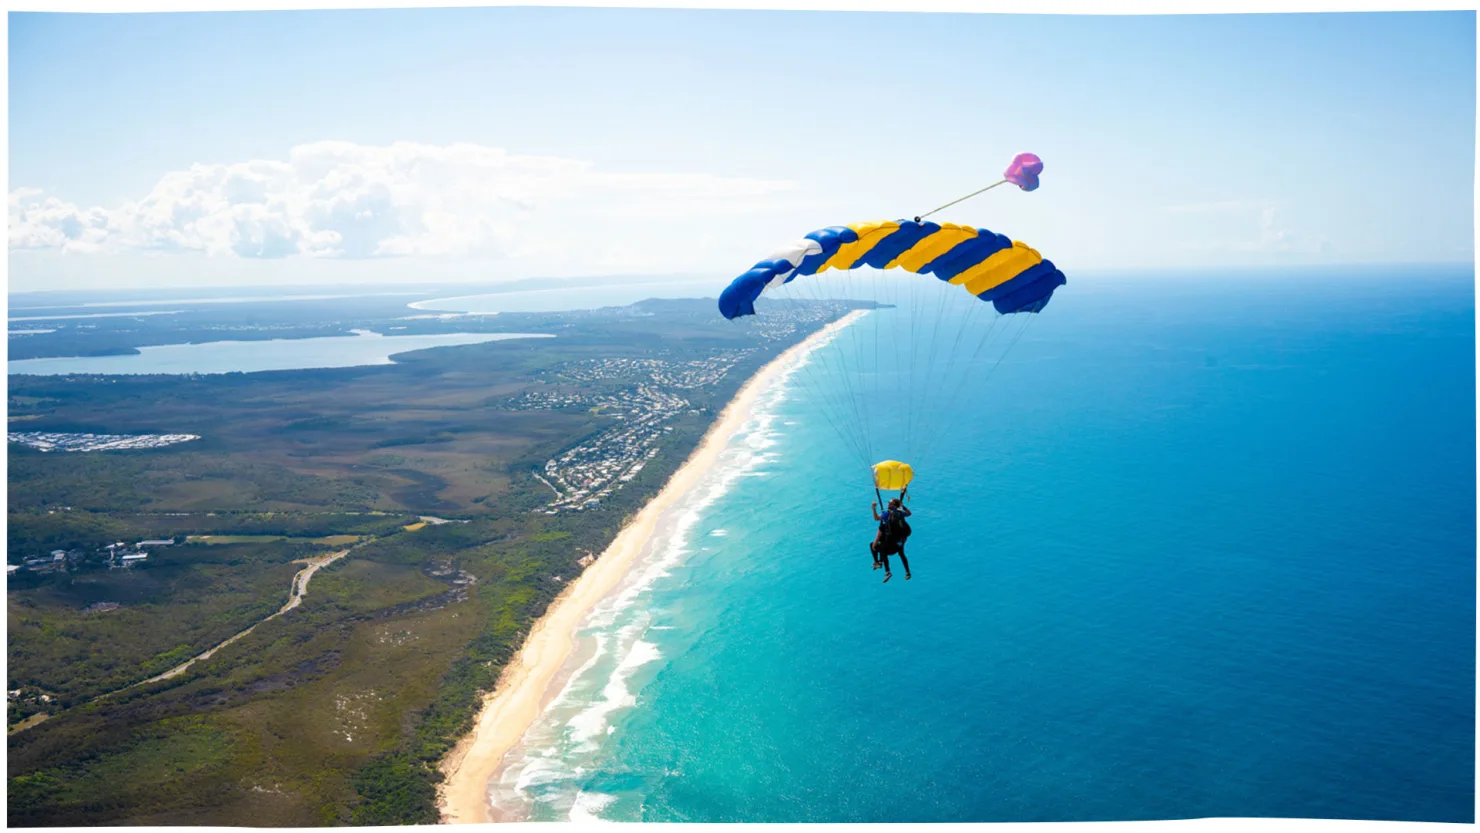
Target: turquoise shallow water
(1198, 549)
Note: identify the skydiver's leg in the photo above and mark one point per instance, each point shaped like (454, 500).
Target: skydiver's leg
(884, 556)
(905, 562)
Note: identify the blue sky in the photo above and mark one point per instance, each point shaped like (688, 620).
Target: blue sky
(159, 148)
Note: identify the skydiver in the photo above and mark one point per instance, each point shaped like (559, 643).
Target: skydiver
(893, 532)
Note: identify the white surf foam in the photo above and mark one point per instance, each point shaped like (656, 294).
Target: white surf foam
(587, 807)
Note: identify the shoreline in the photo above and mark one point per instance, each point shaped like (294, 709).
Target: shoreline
(527, 681)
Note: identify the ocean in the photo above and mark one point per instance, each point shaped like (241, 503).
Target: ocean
(1202, 545)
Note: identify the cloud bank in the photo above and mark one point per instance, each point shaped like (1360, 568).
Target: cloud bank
(1251, 227)
(341, 200)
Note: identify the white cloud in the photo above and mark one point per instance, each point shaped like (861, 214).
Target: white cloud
(1273, 236)
(1248, 227)
(343, 200)
(41, 222)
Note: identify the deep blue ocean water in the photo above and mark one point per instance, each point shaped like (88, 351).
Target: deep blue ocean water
(1200, 547)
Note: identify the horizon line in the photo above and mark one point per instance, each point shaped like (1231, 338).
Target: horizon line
(679, 276)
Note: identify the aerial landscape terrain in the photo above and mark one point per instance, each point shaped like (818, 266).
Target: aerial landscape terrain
(462, 485)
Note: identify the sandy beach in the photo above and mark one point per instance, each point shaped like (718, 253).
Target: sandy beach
(526, 683)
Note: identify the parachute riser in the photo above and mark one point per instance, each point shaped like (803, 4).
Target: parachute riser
(904, 495)
(963, 199)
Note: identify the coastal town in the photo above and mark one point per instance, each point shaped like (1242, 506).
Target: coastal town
(640, 396)
(673, 374)
(54, 441)
(584, 475)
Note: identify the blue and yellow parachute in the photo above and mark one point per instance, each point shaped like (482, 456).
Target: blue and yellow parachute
(891, 383)
(1007, 273)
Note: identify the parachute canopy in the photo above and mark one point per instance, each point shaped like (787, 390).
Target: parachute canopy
(1024, 171)
(1009, 274)
(889, 378)
(893, 475)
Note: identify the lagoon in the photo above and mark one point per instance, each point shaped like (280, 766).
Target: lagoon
(563, 298)
(363, 348)
(95, 315)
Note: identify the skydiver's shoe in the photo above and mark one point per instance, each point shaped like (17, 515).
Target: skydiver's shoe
(907, 576)
(877, 565)
(888, 576)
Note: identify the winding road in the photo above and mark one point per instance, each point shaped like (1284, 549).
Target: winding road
(295, 597)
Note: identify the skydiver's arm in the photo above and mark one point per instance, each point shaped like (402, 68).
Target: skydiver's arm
(906, 510)
(874, 507)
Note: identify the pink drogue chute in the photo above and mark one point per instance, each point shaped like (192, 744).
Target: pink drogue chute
(1024, 171)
